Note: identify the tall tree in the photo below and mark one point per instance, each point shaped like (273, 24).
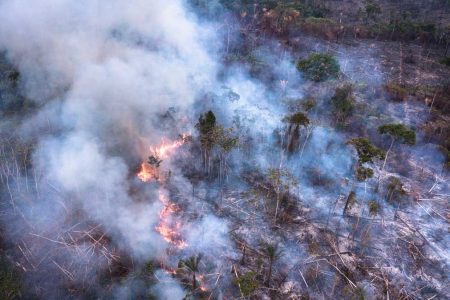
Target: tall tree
(225, 141)
(342, 103)
(294, 122)
(205, 126)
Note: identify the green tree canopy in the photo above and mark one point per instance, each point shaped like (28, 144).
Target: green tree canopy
(319, 67)
(224, 138)
(206, 123)
(366, 154)
(343, 102)
(298, 118)
(399, 133)
(366, 151)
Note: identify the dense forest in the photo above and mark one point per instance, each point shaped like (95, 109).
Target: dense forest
(225, 149)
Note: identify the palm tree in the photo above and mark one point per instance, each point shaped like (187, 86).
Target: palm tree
(272, 252)
(192, 264)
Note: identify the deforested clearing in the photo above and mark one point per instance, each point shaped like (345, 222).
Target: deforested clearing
(193, 149)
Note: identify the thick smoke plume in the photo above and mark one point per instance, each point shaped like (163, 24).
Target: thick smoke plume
(112, 80)
(101, 72)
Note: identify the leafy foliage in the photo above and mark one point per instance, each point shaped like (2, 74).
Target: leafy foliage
(397, 92)
(366, 154)
(446, 61)
(247, 283)
(192, 266)
(308, 104)
(319, 67)
(363, 173)
(272, 252)
(281, 179)
(298, 118)
(366, 151)
(9, 280)
(224, 139)
(311, 9)
(395, 189)
(206, 123)
(205, 126)
(372, 9)
(373, 207)
(399, 132)
(343, 102)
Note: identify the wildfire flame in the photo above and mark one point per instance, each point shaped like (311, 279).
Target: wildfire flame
(167, 228)
(149, 172)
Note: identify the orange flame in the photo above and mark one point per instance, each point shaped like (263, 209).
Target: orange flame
(148, 172)
(168, 231)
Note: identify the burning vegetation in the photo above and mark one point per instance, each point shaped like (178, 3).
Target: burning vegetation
(224, 150)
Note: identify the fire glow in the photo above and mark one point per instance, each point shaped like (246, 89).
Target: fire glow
(167, 227)
(150, 172)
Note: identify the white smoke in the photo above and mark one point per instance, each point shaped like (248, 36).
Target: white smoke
(102, 71)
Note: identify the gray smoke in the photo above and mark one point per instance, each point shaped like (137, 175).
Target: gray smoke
(102, 72)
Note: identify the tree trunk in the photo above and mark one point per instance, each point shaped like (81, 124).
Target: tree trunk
(269, 275)
(278, 205)
(194, 281)
(385, 159)
(243, 255)
(293, 136)
(348, 198)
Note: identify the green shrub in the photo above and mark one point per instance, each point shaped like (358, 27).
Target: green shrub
(399, 132)
(9, 280)
(322, 27)
(298, 118)
(373, 207)
(310, 10)
(372, 9)
(366, 151)
(363, 173)
(308, 104)
(342, 102)
(397, 92)
(319, 67)
(446, 61)
(247, 283)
